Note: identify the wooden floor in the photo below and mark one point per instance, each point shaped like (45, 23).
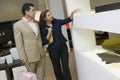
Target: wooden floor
(49, 75)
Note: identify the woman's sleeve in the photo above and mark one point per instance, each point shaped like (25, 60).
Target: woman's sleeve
(43, 37)
(64, 21)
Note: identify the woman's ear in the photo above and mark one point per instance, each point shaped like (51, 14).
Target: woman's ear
(44, 18)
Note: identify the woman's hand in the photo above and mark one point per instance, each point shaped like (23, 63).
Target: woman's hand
(73, 12)
(49, 36)
(49, 29)
(49, 33)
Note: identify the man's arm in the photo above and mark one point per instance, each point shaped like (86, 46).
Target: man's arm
(19, 43)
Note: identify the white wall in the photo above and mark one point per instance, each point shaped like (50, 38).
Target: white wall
(83, 39)
(41, 4)
(78, 34)
(56, 8)
(83, 5)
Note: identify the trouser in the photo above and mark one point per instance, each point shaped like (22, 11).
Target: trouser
(38, 68)
(60, 58)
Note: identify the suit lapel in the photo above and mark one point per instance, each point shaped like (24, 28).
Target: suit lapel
(27, 26)
(30, 29)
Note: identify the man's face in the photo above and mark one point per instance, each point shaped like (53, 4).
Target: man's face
(31, 12)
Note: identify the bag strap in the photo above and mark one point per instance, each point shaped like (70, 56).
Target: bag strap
(28, 67)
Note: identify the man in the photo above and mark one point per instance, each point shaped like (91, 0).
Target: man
(28, 41)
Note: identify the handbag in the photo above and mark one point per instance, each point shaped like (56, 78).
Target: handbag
(16, 70)
(26, 75)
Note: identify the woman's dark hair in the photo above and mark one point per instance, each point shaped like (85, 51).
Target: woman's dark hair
(26, 7)
(42, 22)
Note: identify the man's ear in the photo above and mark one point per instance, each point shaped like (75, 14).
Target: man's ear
(26, 12)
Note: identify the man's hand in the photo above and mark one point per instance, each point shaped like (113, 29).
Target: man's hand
(25, 61)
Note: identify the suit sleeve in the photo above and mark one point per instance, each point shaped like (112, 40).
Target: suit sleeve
(43, 37)
(19, 42)
(64, 21)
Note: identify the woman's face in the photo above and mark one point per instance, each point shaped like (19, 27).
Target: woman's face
(49, 17)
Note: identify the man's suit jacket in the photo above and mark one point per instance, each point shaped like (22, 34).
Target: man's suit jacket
(29, 45)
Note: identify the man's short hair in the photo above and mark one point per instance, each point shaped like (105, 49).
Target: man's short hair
(26, 7)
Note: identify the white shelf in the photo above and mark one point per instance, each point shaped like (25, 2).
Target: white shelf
(91, 67)
(104, 21)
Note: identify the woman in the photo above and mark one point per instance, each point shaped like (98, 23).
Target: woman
(52, 37)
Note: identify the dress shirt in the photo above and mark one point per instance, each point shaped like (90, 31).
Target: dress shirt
(32, 25)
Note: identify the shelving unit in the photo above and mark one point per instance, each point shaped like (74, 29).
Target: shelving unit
(89, 65)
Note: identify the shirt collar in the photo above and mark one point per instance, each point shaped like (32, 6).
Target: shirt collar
(28, 20)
